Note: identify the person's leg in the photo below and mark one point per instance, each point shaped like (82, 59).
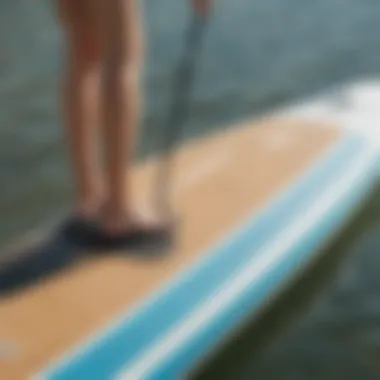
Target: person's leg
(124, 48)
(81, 102)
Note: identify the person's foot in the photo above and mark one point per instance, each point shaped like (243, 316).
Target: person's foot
(81, 223)
(102, 229)
(123, 231)
(116, 222)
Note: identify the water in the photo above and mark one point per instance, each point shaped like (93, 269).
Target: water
(258, 54)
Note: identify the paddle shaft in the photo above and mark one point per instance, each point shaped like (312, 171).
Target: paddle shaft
(178, 112)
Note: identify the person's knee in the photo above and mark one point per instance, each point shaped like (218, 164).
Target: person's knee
(85, 53)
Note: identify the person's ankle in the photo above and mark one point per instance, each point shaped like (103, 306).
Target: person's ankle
(116, 208)
(88, 208)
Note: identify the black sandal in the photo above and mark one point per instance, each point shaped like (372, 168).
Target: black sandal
(87, 234)
(144, 238)
(77, 230)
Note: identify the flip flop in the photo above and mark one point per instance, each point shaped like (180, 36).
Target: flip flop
(77, 230)
(139, 238)
(87, 234)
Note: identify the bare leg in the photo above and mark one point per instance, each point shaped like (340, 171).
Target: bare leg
(81, 103)
(105, 41)
(123, 42)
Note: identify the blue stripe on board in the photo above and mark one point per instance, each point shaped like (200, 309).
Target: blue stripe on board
(119, 346)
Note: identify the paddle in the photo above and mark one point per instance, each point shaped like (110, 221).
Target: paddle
(178, 112)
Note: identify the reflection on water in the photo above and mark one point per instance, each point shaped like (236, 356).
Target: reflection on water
(257, 54)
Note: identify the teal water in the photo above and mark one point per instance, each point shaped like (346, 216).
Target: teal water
(258, 54)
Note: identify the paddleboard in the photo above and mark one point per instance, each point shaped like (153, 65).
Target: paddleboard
(257, 202)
